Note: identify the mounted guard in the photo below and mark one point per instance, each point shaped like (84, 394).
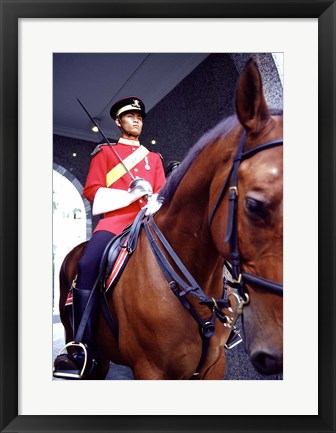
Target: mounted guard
(123, 178)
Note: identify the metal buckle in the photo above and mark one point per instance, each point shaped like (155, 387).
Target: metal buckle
(215, 305)
(231, 321)
(235, 189)
(237, 339)
(82, 346)
(237, 281)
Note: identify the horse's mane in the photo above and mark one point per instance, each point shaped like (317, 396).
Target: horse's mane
(221, 129)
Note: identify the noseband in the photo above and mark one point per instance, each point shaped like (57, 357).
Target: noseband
(240, 279)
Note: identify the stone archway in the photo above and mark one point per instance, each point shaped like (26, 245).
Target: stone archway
(72, 222)
(79, 187)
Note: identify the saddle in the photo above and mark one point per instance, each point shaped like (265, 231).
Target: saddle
(118, 252)
(114, 261)
(116, 255)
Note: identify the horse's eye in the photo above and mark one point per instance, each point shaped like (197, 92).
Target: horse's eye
(255, 208)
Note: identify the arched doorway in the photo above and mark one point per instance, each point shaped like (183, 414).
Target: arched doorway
(71, 221)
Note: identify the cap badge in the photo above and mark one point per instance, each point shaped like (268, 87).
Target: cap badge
(136, 103)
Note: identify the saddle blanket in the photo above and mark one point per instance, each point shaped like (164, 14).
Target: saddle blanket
(117, 268)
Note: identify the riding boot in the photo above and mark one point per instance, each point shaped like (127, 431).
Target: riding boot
(80, 300)
(81, 362)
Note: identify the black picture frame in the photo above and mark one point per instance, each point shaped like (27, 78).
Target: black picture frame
(11, 11)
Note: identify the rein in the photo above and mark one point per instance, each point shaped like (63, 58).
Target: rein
(186, 285)
(189, 286)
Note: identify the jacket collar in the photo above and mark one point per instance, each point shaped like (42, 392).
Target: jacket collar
(128, 142)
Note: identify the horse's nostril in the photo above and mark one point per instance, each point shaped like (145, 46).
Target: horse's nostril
(267, 363)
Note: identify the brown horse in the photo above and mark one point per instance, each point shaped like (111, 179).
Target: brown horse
(223, 203)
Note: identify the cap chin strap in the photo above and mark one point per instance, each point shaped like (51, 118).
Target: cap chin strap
(123, 130)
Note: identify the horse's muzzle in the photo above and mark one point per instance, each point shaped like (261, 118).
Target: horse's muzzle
(267, 363)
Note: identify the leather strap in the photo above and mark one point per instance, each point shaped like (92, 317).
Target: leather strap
(189, 286)
(130, 161)
(231, 235)
(90, 303)
(132, 232)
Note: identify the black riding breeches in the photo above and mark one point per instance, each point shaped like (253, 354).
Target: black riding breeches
(88, 265)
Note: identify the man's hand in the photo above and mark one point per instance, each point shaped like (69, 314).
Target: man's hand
(140, 188)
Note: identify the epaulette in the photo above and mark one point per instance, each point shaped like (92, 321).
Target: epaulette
(158, 154)
(98, 148)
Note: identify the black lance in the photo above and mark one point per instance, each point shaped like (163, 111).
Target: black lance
(107, 141)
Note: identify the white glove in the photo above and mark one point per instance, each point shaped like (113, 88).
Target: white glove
(153, 204)
(109, 199)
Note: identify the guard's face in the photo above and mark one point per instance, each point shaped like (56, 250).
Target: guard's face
(131, 123)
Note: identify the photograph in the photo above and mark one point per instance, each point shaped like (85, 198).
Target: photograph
(168, 154)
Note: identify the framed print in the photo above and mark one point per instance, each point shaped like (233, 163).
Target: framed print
(32, 32)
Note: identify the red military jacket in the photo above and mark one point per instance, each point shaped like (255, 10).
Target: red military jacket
(104, 159)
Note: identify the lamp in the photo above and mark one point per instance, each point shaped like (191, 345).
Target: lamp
(94, 127)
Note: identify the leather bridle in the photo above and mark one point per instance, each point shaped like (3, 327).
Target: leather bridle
(240, 279)
(182, 282)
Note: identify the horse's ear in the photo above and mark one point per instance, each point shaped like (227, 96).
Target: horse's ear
(251, 106)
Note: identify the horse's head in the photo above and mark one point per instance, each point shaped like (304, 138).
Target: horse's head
(260, 223)
(254, 232)
(239, 159)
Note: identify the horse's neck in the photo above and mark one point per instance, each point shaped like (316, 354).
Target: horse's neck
(185, 224)
(191, 242)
